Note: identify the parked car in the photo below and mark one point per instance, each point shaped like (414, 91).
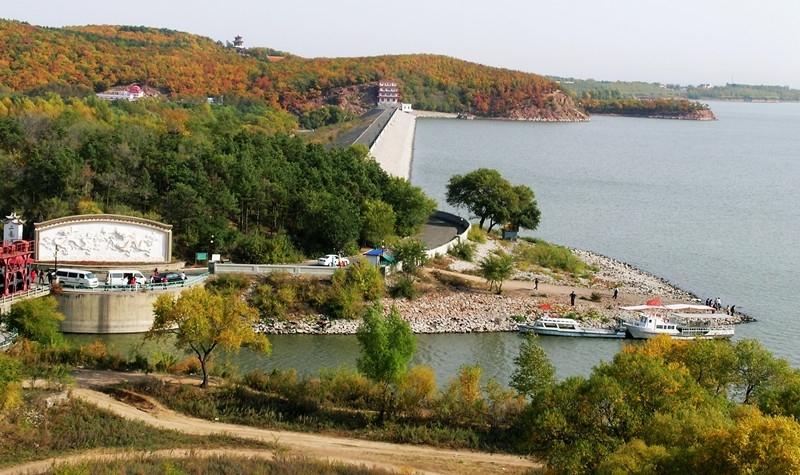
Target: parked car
(167, 278)
(333, 260)
(76, 278)
(121, 277)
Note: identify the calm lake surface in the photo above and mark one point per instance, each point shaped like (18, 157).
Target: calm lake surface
(711, 206)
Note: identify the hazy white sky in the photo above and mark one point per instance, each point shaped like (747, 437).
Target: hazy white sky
(677, 41)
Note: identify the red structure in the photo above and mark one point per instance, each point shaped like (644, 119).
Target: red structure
(16, 261)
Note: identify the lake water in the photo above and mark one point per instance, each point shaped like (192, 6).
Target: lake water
(711, 206)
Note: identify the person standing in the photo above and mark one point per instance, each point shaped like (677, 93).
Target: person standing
(41, 277)
(572, 298)
(535, 283)
(719, 303)
(733, 310)
(616, 293)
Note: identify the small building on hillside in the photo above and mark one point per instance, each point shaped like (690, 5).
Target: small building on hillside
(380, 257)
(131, 93)
(388, 94)
(405, 106)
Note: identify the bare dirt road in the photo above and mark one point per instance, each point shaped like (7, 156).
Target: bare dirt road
(396, 457)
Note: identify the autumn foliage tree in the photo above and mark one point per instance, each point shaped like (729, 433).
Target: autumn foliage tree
(202, 321)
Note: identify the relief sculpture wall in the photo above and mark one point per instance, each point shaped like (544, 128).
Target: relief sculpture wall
(103, 239)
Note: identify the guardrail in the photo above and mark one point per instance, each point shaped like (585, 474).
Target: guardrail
(263, 269)
(190, 280)
(7, 301)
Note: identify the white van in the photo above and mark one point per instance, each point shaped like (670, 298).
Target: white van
(121, 276)
(76, 278)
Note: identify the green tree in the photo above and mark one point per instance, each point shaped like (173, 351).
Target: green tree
(202, 321)
(496, 268)
(387, 346)
(533, 372)
(410, 204)
(757, 368)
(37, 319)
(484, 192)
(412, 253)
(523, 209)
(377, 222)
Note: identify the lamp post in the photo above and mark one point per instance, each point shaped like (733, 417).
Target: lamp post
(55, 255)
(211, 248)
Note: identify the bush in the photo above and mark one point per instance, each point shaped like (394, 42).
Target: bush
(229, 284)
(404, 288)
(416, 390)
(344, 302)
(363, 276)
(36, 319)
(463, 250)
(476, 234)
(551, 256)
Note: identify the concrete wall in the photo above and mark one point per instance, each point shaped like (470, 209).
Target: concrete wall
(461, 224)
(262, 269)
(109, 312)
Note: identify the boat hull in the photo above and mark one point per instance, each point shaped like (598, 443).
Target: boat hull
(571, 333)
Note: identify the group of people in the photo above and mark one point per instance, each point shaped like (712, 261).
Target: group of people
(716, 304)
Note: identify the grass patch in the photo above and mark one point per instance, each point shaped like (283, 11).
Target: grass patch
(463, 250)
(345, 403)
(34, 432)
(216, 464)
(531, 254)
(477, 234)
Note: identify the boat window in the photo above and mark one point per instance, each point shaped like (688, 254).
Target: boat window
(568, 327)
(660, 327)
(551, 325)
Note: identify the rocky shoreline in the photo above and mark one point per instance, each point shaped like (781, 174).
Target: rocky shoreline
(474, 311)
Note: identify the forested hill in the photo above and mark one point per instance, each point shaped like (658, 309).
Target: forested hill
(82, 60)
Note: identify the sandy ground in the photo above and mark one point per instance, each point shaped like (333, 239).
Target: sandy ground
(394, 148)
(397, 457)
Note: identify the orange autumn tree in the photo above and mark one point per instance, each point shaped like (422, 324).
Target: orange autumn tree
(202, 321)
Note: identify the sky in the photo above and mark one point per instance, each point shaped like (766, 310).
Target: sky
(676, 41)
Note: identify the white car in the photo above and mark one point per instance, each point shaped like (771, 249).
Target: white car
(332, 260)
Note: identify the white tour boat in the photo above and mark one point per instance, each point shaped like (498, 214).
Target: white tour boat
(568, 327)
(655, 320)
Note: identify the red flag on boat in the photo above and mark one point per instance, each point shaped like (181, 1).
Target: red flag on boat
(656, 302)
(545, 306)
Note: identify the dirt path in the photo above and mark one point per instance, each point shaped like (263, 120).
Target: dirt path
(398, 457)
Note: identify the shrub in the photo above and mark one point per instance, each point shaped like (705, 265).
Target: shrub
(476, 234)
(595, 297)
(229, 284)
(344, 302)
(363, 276)
(462, 400)
(463, 250)
(550, 256)
(36, 319)
(343, 387)
(404, 288)
(416, 390)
